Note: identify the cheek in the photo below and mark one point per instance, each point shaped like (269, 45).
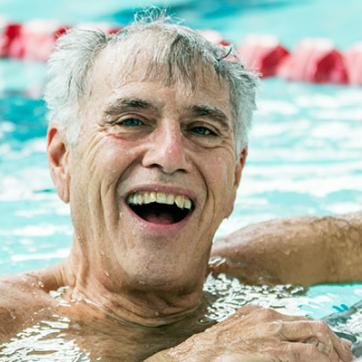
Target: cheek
(222, 170)
(110, 161)
(221, 179)
(94, 189)
(95, 169)
(111, 157)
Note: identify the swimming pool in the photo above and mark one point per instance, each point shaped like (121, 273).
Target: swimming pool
(304, 155)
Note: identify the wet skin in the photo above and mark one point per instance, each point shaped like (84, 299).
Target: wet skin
(251, 334)
(95, 331)
(135, 285)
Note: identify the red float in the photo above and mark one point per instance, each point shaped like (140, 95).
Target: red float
(262, 54)
(353, 59)
(316, 61)
(10, 44)
(214, 37)
(114, 30)
(33, 40)
(60, 31)
(38, 39)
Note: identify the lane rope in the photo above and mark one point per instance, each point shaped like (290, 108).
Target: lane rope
(313, 60)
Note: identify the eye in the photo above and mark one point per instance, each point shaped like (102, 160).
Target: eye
(203, 131)
(130, 122)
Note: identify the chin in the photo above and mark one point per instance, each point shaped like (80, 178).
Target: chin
(164, 275)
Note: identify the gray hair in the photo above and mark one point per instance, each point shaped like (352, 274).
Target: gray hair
(183, 51)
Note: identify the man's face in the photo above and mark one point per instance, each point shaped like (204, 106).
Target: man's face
(152, 175)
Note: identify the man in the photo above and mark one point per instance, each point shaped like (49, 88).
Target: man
(147, 142)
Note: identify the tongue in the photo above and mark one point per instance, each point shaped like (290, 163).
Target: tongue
(159, 218)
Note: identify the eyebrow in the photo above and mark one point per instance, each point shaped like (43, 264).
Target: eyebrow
(201, 110)
(211, 112)
(128, 104)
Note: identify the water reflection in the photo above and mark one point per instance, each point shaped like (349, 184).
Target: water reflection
(63, 338)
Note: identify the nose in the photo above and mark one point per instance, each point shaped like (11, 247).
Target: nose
(167, 150)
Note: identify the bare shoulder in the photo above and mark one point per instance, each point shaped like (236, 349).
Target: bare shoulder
(21, 297)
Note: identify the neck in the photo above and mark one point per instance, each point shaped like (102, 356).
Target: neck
(126, 303)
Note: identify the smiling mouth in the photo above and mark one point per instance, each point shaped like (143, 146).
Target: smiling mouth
(160, 208)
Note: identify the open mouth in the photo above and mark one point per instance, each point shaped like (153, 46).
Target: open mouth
(159, 207)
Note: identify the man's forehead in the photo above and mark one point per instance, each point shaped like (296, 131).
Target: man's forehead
(119, 65)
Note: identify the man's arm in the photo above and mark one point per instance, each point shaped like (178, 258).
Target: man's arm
(300, 250)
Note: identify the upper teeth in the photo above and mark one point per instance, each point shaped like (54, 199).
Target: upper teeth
(146, 197)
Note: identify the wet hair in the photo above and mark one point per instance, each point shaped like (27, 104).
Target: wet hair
(175, 52)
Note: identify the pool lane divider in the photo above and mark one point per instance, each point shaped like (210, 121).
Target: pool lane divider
(313, 60)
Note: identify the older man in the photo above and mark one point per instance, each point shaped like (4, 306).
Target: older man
(147, 143)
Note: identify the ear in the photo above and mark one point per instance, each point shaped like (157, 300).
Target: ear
(58, 162)
(240, 166)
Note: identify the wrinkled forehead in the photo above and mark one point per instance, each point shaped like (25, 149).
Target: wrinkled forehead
(145, 57)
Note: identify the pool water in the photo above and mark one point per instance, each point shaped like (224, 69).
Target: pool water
(304, 154)
(59, 338)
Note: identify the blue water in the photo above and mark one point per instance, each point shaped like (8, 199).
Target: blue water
(305, 147)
